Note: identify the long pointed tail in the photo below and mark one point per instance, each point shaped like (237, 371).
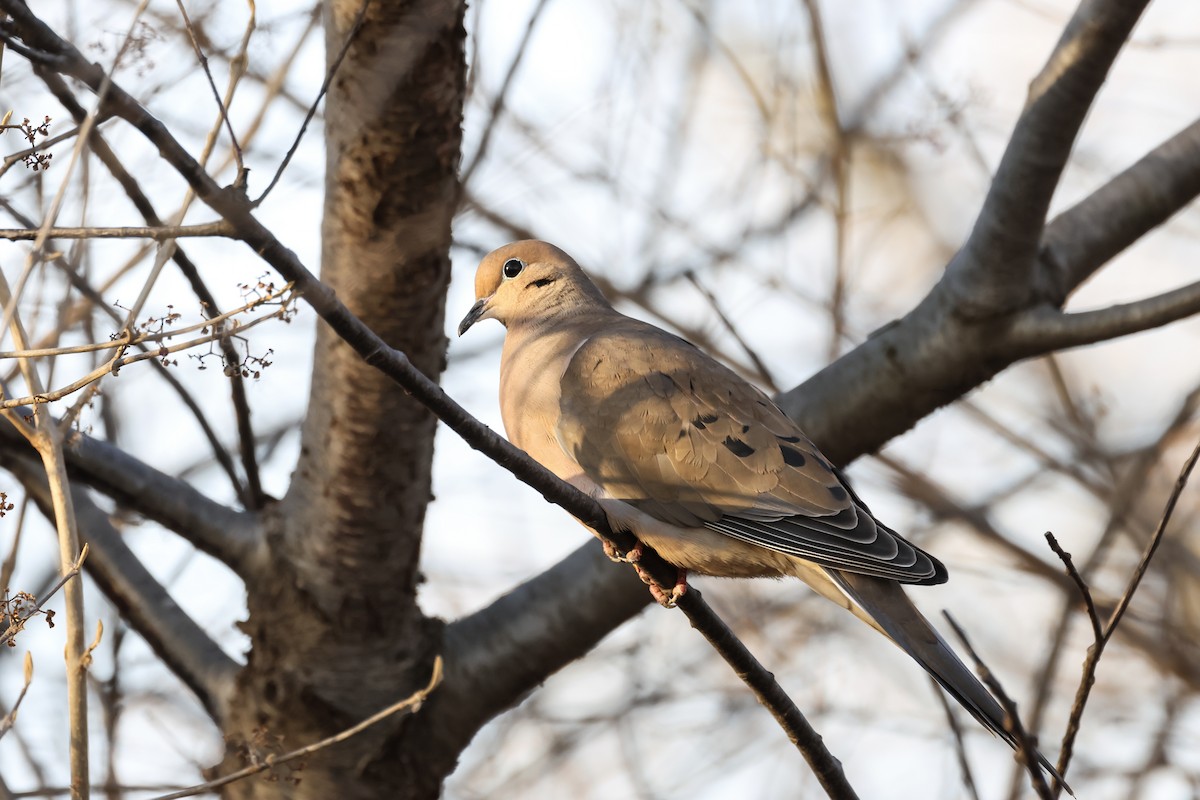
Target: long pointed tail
(884, 605)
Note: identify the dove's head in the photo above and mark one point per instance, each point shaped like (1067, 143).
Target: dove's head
(530, 281)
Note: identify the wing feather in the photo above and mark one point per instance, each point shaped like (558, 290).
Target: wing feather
(661, 426)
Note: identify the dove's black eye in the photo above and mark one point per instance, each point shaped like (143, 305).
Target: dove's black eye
(512, 267)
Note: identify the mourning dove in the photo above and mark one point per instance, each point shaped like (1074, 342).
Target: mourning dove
(695, 461)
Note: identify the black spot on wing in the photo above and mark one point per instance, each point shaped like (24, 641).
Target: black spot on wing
(837, 493)
(703, 421)
(792, 456)
(791, 439)
(738, 447)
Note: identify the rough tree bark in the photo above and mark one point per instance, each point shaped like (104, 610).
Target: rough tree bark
(335, 629)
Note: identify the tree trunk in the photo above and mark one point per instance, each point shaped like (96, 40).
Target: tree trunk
(335, 629)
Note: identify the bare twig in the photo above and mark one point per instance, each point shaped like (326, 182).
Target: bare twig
(119, 362)
(17, 623)
(960, 747)
(497, 106)
(764, 372)
(359, 18)
(218, 228)
(1088, 679)
(235, 69)
(211, 326)
(1026, 748)
(9, 719)
(1088, 603)
(840, 169)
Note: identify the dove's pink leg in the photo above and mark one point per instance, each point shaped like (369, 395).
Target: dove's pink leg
(662, 597)
(667, 600)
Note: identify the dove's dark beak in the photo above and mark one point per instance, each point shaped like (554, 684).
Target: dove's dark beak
(474, 315)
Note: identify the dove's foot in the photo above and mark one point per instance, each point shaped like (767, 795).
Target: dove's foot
(614, 554)
(661, 596)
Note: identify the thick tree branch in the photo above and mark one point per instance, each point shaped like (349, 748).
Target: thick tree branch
(228, 535)
(531, 632)
(1081, 240)
(992, 273)
(141, 600)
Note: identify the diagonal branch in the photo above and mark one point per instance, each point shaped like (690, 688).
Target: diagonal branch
(182, 645)
(991, 274)
(228, 535)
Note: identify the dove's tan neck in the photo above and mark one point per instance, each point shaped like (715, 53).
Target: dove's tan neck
(531, 368)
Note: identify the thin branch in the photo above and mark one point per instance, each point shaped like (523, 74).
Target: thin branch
(271, 297)
(9, 565)
(49, 444)
(119, 362)
(1089, 604)
(234, 70)
(960, 745)
(840, 172)
(497, 106)
(46, 438)
(18, 623)
(1026, 746)
(160, 234)
(1088, 679)
(10, 719)
(1043, 329)
(411, 704)
(760, 367)
(359, 18)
